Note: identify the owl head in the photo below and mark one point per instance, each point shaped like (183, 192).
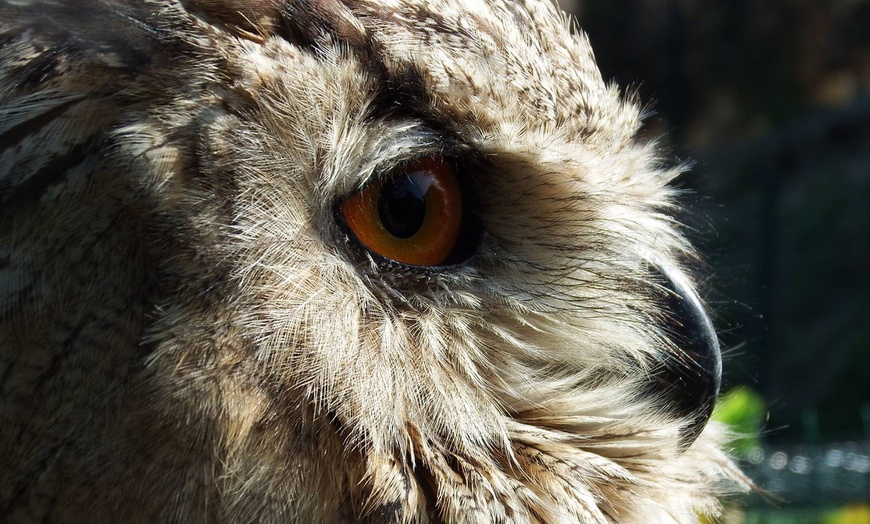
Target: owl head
(323, 261)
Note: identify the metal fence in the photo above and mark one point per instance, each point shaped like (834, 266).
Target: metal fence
(813, 475)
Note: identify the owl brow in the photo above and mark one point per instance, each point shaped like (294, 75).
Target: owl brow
(412, 145)
(399, 86)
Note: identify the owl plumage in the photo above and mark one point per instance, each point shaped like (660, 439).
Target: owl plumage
(192, 330)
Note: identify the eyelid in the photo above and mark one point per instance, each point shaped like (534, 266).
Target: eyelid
(401, 145)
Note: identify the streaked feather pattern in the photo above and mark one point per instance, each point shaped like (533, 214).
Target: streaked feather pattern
(188, 333)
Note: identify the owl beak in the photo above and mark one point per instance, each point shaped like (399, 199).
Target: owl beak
(689, 378)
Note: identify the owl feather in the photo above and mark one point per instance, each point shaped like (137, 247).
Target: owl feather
(194, 329)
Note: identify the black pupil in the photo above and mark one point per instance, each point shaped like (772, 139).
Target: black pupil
(402, 206)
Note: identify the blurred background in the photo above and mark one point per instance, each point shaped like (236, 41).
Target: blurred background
(770, 102)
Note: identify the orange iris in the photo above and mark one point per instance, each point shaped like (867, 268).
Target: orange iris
(413, 217)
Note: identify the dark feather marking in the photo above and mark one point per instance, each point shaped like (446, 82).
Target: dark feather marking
(16, 133)
(49, 175)
(39, 70)
(311, 23)
(85, 31)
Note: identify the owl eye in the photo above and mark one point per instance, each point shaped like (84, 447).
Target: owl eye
(413, 217)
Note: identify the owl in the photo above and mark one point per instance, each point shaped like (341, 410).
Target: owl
(395, 261)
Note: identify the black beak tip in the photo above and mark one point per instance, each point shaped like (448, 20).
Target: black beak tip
(690, 378)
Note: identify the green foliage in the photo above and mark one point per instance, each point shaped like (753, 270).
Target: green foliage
(744, 411)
